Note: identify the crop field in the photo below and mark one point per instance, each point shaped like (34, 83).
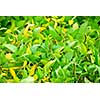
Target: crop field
(54, 49)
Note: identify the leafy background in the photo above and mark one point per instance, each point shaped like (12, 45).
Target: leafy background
(56, 49)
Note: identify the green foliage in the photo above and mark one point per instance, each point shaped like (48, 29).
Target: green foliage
(56, 49)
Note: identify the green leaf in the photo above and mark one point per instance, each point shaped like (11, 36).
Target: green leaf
(34, 48)
(86, 80)
(83, 49)
(60, 73)
(80, 35)
(3, 60)
(39, 73)
(83, 28)
(54, 34)
(11, 47)
(2, 40)
(47, 66)
(36, 31)
(29, 79)
(24, 73)
(96, 56)
(98, 68)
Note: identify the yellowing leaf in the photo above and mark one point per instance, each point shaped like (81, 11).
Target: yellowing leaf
(70, 37)
(35, 77)
(25, 63)
(32, 21)
(70, 22)
(12, 72)
(36, 41)
(62, 19)
(89, 52)
(4, 74)
(8, 31)
(55, 16)
(8, 55)
(26, 34)
(38, 53)
(32, 70)
(43, 61)
(45, 25)
(49, 63)
(47, 19)
(83, 48)
(45, 79)
(13, 42)
(47, 67)
(75, 26)
(42, 36)
(10, 81)
(42, 29)
(28, 50)
(55, 25)
(10, 39)
(65, 30)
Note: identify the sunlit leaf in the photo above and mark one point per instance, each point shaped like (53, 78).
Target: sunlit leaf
(11, 47)
(29, 79)
(43, 49)
(54, 33)
(70, 22)
(75, 26)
